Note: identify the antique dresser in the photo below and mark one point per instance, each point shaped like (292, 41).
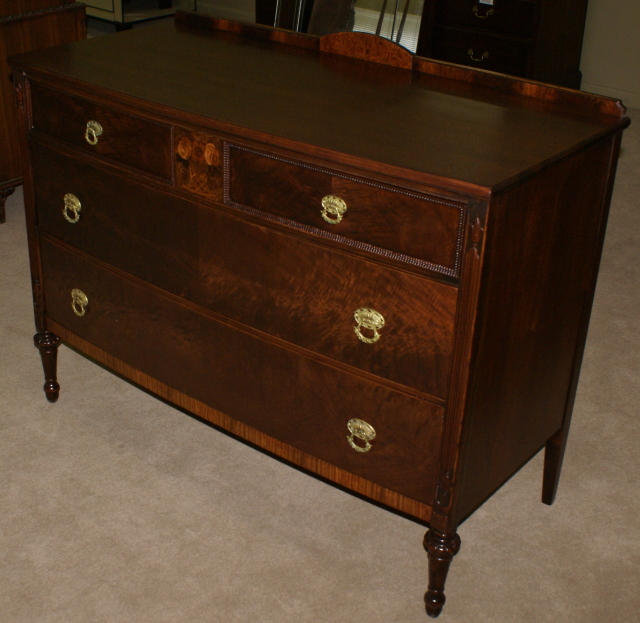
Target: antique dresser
(375, 266)
(28, 25)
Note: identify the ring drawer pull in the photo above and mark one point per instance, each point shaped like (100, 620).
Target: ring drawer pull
(478, 60)
(363, 431)
(369, 319)
(477, 14)
(93, 131)
(79, 302)
(333, 208)
(72, 207)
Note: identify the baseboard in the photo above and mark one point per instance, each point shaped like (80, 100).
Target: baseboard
(630, 99)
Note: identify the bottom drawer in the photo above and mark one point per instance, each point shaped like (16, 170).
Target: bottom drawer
(290, 397)
(481, 50)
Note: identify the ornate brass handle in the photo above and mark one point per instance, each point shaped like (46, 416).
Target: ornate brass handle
(478, 60)
(477, 14)
(369, 319)
(333, 209)
(79, 302)
(93, 131)
(363, 431)
(72, 207)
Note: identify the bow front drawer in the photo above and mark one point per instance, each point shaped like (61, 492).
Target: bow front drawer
(101, 131)
(421, 229)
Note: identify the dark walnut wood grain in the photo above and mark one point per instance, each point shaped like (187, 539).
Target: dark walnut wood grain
(475, 215)
(27, 25)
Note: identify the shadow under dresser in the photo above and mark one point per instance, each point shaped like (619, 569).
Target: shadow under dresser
(283, 233)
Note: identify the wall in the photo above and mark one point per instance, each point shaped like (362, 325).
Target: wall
(611, 51)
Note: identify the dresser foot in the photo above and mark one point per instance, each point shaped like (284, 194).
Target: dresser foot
(47, 344)
(4, 193)
(553, 455)
(441, 549)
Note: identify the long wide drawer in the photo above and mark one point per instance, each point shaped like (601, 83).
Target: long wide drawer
(133, 141)
(303, 293)
(290, 397)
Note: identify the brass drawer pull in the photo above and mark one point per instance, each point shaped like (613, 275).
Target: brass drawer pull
(478, 60)
(93, 131)
(477, 14)
(369, 319)
(363, 431)
(333, 208)
(72, 207)
(79, 302)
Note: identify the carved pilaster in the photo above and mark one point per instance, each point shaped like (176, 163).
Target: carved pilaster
(441, 549)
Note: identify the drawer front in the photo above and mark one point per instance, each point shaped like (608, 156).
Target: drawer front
(423, 228)
(515, 17)
(281, 285)
(136, 142)
(480, 50)
(287, 396)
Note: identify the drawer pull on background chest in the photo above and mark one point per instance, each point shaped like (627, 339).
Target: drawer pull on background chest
(484, 56)
(333, 209)
(480, 15)
(79, 302)
(369, 319)
(72, 207)
(93, 131)
(363, 431)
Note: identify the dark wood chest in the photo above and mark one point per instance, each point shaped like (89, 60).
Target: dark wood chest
(375, 266)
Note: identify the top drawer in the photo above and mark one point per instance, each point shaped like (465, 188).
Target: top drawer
(515, 17)
(136, 142)
(424, 230)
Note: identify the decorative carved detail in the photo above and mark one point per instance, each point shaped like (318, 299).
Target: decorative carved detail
(199, 163)
(443, 492)
(477, 232)
(19, 89)
(441, 548)
(47, 343)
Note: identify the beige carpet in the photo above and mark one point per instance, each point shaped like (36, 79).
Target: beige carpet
(117, 508)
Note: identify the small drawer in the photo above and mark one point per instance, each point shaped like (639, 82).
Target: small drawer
(136, 142)
(384, 219)
(292, 398)
(277, 283)
(481, 50)
(511, 17)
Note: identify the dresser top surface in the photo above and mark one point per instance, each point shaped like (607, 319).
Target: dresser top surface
(342, 105)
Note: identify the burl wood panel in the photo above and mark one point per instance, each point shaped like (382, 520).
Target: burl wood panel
(27, 25)
(542, 253)
(243, 377)
(422, 227)
(139, 143)
(286, 287)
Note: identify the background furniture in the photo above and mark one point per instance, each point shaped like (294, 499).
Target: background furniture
(27, 25)
(535, 39)
(123, 14)
(402, 312)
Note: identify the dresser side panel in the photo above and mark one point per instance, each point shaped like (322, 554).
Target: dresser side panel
(543, 246)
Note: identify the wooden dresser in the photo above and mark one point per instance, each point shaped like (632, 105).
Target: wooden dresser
(380, 270)
(28, 25)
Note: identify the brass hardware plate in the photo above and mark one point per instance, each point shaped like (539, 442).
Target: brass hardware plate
(72, 208)
(480, 15)
(79, 302)
(484, 56)
(362, 430)
(369, 319)
(333, 209)
(93, 131)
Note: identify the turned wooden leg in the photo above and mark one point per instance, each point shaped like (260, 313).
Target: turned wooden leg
(4, 193)
(47, 344)
(441, 549)
(553, 455)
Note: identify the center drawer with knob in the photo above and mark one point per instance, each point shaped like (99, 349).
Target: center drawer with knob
(370, 430)
(390, 323)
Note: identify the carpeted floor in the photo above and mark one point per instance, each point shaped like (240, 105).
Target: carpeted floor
(117, 508)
